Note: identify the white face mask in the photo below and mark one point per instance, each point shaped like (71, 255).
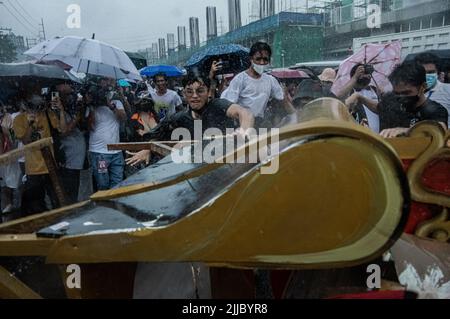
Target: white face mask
(258, 68)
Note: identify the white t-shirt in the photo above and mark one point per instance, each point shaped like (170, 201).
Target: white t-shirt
(441, 94)
(168, 101)
(373, 118)
(106, 129)
(253, 94)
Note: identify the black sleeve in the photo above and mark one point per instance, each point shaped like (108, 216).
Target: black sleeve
(162, 132)
(221, 104)
(436, 113)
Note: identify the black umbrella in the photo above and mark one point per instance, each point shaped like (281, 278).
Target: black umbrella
(29, 71)
(441, 54)
(236, 58)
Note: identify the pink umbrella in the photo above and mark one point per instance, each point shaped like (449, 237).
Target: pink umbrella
(383, 58)
(289, 74)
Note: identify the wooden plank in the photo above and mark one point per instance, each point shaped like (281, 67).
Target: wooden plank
(53, 172)
(160, 148)
(18, 153)
(31, 224)
(409, 148)
(24, 245)
(13, 288)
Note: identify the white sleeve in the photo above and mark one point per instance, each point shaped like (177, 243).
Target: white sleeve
(177, 100)
(118, 104)
(276, 91)
(233, 92)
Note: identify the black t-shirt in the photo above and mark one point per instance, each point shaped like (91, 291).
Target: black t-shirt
(392, 114)
(214, 116)
(432, 111)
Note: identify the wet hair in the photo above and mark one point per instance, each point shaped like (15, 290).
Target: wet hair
(193, 78)
(409, 73)
(160, 75)
(427, 58)
(97, 94)
(259, 47)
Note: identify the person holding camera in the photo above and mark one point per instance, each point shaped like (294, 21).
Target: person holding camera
(362, 98)
(73, 142)
(30, 126)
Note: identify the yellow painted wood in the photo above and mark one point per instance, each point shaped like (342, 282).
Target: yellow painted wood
(24, 245)
(409, 148)
(13, 288)
(17, 153)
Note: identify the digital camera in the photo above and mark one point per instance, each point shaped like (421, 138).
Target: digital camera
(369, 69)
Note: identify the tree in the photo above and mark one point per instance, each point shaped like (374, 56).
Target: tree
(7, 50)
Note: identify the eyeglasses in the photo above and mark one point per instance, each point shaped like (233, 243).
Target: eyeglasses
(199, 91)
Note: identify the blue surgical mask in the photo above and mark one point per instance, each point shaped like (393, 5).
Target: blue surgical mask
(431, 80)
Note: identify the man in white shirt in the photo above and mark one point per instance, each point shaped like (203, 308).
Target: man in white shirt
(436, 91)
(167, 102)
(107, 166)
(253, 89)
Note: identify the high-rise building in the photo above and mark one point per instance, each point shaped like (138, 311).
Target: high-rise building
(266, 8)
(211, 23)
(194, 32)
(234, 14)
(154, 53)
(181, 38)
(170, 43)
(162, 48)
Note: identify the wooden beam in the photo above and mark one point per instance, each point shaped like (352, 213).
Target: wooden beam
(18, 153)
(53, 172)
(24, 245)
(160, 147)
(13, 288)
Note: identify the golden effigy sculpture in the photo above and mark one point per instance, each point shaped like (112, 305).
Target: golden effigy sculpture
(339, 198)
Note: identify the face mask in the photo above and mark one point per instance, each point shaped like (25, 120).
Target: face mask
(259, 68)
(431, 80)
(408, 102)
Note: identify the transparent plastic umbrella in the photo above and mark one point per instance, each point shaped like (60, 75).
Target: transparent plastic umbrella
(87, 56)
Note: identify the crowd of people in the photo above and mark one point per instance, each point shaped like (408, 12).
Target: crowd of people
(84, 119)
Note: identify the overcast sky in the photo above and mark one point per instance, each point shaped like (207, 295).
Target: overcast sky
(129, 24)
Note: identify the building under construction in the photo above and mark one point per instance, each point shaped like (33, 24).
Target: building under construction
(331, 30)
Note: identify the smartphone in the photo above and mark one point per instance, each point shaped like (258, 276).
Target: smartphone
(55, 95)
(224, 66)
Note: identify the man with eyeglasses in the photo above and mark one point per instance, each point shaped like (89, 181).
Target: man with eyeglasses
(217, 113)
(253, 89)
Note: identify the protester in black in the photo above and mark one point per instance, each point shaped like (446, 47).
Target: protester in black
(410, 102)
(217, 113)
